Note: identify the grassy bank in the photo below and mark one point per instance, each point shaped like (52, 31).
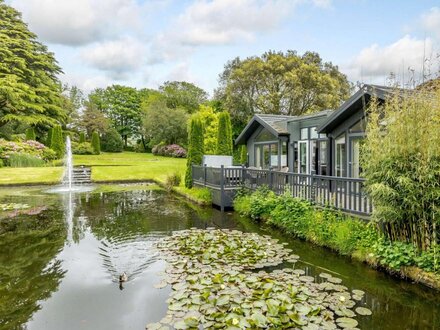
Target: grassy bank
(111, 167)
(346, 235)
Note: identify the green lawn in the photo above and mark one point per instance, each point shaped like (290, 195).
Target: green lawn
(126, 166)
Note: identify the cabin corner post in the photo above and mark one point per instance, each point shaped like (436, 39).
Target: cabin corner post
(222, 188)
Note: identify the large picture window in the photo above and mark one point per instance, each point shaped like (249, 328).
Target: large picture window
(341, 155)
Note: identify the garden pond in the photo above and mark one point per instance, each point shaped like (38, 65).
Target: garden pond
(61, 256)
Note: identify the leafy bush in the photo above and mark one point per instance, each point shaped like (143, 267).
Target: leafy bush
(111, 141)
(173, 180)
(429, 260)
(172, 150)
(96, 143)
(25, 160)
(394, 254)
(84, 148)
(2, 164)
(32, 148)
(262, 202)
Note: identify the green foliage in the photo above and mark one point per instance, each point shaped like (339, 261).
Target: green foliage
(121, 105)
(394, 254)
(401, 162)
(112, 142)
(30, 134)
(182, 94)
(262, 202)
(84, 148)
(29, 88)
(49, 137)
(209, 119)
(96, 143)
(173, 180)
(224, 135)
(195, 149)
(280, 83)
(82, 137)
(243, 155)
(72, 102)
(93, 118)
(25, 160)
(162, 124)
(57, 142)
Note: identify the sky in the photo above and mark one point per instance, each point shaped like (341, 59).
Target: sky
(143, 43)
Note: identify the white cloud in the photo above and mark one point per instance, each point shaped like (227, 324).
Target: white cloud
(322, 3)
(219, 22)
(119, 57)
(78, 22)
(405, 54)
(431, 21)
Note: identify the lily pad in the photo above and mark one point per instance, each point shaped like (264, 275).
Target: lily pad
(363, 311)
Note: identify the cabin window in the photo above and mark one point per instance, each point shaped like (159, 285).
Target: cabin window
(341, 155)
(358, 127)
(304, 134)
(284, 154)
(303, 166)
(313, 133)
(265, 135)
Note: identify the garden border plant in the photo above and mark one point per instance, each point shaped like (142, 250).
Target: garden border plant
(340, 232)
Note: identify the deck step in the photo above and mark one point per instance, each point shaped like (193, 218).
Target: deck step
(80, 175)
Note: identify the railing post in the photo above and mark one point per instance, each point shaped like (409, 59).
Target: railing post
(242, 180)
(222, 188)
(270, 178)
(204, 175)
(312, 186)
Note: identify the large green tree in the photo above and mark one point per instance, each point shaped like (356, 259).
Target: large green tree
(224, 134)
(120, 104)
(280, 83)
(183, 94)
(30, 91)
(161, 123)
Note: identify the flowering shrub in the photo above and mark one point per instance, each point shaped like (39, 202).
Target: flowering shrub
(31, 148)
(171, 150)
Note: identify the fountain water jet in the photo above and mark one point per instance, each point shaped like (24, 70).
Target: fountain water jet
(67, 186)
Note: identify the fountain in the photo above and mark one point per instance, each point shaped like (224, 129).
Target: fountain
(67, 184)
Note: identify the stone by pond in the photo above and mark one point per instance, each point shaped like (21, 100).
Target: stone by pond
(222, 279)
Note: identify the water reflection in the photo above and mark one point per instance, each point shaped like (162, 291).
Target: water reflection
(59, 269)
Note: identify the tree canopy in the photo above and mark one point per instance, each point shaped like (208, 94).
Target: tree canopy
(281, 83)
(183, 94)
(30, 91)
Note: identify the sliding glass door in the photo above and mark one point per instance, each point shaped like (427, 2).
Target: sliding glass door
(303, 157)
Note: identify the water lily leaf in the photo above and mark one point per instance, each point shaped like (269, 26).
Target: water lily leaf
(223, 300)
(363, 311)
(161, 285)
(346, 322)
(153, 326)
(180, 325)
(259, 320)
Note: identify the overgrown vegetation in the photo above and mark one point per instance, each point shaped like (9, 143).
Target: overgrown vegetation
(325, 227)
(401, 162)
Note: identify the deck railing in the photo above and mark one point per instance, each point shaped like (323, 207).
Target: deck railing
(345, 194)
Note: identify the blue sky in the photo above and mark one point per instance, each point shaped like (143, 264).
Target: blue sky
(143, 43)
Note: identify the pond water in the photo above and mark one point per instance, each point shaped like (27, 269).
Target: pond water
(60, 260)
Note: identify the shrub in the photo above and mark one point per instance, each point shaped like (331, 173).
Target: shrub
(2, 164)
(224, 135)
(84, 148)
(262, 203)
(49, 137)
(401, 162)
(82, 137)
(25, 160)
(172, 150)
(195, 149)
(111, 141)
(33, 148)
(96, 143)
(57, 142)
(173, 180)
(30, 134)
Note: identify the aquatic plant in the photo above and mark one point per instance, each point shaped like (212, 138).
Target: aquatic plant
(215, 284)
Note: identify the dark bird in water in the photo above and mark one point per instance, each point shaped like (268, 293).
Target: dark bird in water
(123, 277)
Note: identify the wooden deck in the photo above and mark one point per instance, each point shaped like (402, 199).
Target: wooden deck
(345, 194)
